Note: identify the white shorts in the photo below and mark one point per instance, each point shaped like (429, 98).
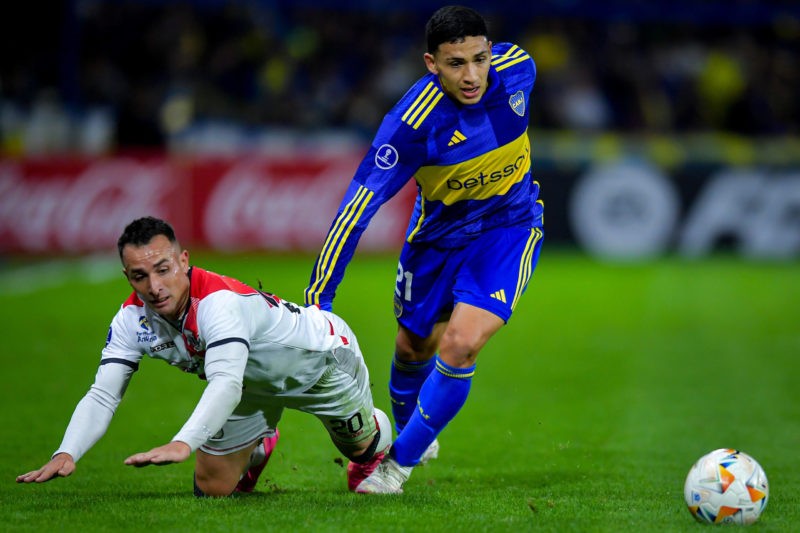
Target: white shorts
(341, 399)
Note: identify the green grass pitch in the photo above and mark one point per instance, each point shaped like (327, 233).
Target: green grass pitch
(585, 414)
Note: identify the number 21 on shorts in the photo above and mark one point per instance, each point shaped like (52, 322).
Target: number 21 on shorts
(402, 288)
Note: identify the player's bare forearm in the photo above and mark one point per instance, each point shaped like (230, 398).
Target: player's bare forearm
(173, 452)
(61, 465)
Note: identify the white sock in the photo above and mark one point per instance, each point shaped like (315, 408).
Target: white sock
(385, 425)
(257, 456)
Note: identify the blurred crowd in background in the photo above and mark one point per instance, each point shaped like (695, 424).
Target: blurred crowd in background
(94, 76)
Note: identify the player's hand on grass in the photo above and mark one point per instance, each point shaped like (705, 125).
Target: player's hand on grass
(61, 465)
(174, 452)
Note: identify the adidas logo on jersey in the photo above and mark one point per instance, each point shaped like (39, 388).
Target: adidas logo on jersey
(499, 295)
(456, 138)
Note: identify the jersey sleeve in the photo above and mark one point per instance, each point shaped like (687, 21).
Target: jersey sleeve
(223, 323)
(516, 67)
(396, 153)
(94, 411)
(224, 369)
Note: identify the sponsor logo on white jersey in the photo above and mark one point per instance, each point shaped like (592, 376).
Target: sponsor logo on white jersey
(147, 335)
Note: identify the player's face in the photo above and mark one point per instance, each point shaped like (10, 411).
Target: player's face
(158, 272)
(462, 68)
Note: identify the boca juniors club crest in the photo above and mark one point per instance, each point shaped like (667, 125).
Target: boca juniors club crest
(517, 103)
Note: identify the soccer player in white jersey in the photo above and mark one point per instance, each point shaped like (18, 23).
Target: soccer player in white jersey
(473, 241)
(259, 355)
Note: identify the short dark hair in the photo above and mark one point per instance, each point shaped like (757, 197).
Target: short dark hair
(452, 24)
(142, 230)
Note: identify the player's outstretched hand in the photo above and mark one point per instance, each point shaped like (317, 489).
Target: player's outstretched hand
(61, 465)
(174, 452)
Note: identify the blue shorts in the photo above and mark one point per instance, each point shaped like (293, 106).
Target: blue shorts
(491, 273)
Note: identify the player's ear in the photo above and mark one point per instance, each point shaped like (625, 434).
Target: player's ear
(183, 258)
(430, 63)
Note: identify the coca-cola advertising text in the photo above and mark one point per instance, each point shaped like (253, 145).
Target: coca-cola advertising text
(75, 205)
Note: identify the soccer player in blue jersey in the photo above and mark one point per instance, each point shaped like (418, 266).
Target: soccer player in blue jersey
(473, 240)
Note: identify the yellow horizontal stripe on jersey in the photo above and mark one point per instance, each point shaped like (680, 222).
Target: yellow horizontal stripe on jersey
(525, 267)
(514, 51)
(505, 55)
(518, 60)
(485, 176)
(335, 241)
(514, 55)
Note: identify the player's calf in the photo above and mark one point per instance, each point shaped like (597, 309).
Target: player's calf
(258, 460)
(360, 467)
(221, 475)
(405, 380)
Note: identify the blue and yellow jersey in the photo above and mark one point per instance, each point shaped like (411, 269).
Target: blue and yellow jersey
(472, 165)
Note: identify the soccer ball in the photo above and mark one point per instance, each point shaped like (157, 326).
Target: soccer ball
(726, 486)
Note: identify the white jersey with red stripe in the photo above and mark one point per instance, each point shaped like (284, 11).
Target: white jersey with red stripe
(233, 335)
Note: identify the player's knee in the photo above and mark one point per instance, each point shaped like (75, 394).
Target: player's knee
(206, 487)
(410, 348)
(460, 347)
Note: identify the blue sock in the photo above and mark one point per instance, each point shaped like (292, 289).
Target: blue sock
(441, 397)
(405, 380)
